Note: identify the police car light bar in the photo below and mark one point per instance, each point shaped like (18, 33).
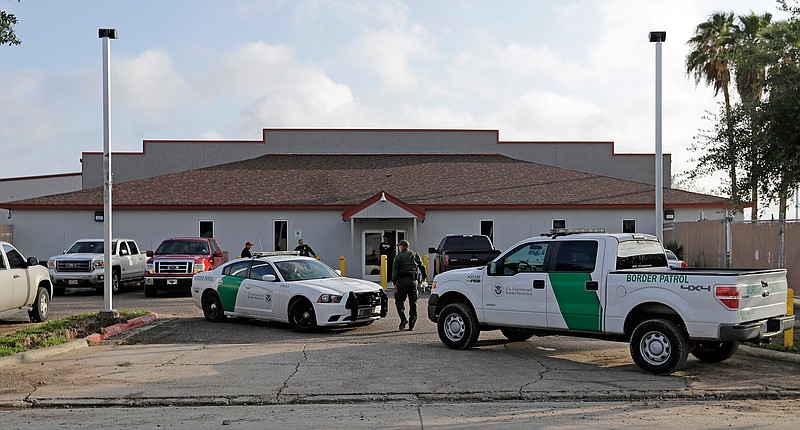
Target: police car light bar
(566, 231)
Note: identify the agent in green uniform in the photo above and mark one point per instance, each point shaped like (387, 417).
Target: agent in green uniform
(407, 270)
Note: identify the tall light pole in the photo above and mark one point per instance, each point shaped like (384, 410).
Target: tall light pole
(106, 34)
(658, 37)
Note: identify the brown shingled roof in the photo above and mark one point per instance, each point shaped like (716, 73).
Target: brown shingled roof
(341, 181)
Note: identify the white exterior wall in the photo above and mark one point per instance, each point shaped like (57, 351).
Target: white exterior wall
(43, 234)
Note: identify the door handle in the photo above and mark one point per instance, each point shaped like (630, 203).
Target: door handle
(16, 276)
(538, 284)
(592, 285)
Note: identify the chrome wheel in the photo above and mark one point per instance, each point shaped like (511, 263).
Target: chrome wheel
(454, 327)
(655, 348)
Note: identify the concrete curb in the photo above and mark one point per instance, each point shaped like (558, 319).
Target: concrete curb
(35, 355)
(769, 354)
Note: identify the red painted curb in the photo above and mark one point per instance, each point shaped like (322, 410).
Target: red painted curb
(121, 327)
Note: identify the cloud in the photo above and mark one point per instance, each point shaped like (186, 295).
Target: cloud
(148, 84)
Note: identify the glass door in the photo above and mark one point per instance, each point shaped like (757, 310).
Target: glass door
(371, 244)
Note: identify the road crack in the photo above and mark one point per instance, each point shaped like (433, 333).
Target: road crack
(296, 369)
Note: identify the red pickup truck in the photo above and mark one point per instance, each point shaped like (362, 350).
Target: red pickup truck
(172, 265)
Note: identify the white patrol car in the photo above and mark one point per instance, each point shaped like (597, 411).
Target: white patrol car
(302, 291)
(611, 286)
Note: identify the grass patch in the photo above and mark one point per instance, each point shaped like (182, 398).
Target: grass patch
(59, 331)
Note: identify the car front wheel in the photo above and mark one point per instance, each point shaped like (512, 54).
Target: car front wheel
(41, 307)
(302, 316)
(457, 326)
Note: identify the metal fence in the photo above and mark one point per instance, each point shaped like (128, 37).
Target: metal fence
(754, 245)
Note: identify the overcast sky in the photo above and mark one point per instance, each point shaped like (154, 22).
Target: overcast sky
(205, 69)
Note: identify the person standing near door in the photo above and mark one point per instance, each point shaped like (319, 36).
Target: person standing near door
(386, 248)
(407, 270)
(304, 249)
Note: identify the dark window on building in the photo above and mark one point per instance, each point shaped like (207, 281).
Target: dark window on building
(559, 223)
(487, 228)
(281, 238)
(576, 256)
(629, 226)
(206, 228)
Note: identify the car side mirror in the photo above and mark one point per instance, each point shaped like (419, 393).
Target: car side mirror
(432, 250)
(338, 272)
(149, 253)
(32, 261)
(269, 278)
(491, 268)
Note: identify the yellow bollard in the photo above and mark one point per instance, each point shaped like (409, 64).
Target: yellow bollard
(788, 335)
(342, 265)
(427, 271)
(383, 271)
(317, 257)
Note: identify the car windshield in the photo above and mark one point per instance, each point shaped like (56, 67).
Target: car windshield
(182, 247)
(303, 270)
(93, 247)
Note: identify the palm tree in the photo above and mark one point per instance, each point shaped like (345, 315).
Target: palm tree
(750, 72)
(710, 60)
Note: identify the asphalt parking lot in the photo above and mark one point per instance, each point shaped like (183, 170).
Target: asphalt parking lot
(386, 377)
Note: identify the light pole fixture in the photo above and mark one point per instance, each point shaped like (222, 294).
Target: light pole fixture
(659, 37)
(106, 34)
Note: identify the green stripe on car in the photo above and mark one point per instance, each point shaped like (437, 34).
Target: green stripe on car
(580, 308)
(228, 290)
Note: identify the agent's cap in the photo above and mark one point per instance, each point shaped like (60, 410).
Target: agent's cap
(248, 244)
(404, 243)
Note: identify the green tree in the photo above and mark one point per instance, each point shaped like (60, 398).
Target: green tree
(750, 68)
(709, 61)
(7, 35)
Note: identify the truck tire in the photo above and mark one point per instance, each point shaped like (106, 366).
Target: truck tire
(41, 306)
(458, 326)
(715, 351)
(115, 282)
(516, 334)
(659, 346)
(150, 291)
(302, 316)
(212, 307)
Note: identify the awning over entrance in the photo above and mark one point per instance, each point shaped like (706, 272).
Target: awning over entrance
(383, 205)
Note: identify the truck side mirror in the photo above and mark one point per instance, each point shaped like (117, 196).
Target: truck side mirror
(432, 250)
(149, 253)
(218, 254)
(32, 261)
(491, 268)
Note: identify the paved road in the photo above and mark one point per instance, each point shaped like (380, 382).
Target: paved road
(374, 376)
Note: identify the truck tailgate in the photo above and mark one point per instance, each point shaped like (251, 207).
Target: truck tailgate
(763, 294)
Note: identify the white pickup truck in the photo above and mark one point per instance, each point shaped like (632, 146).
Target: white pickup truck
(82, 265)
(24, 285)
(611, 286)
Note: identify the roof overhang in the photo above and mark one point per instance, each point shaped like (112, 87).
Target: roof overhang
(383, 205)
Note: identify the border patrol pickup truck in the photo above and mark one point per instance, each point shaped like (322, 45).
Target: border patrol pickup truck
(615, 287)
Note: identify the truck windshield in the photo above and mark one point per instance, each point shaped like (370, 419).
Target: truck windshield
(182, 247)
(92, 247)
(640, 253)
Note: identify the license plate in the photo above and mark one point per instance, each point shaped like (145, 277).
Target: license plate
(365, 312)
(172, 282)
(72, 282)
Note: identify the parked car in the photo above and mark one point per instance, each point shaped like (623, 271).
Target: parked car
(302, 291)
(83, 265)
(457, 251)
(172, 265)
(613, 287)
(673, 260)
(24, 285)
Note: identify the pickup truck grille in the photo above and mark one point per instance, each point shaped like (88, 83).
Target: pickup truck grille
(174, 267)
(73, 266)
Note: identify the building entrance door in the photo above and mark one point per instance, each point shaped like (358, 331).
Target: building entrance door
(371, 244)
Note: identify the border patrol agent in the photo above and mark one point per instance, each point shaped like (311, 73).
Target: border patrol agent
(407, 270)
